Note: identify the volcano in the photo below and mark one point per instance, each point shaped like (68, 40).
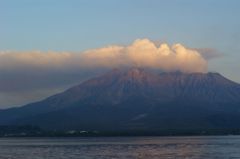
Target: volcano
(137, 99)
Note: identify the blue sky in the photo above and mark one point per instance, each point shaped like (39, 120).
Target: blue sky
(83, 24)
(77, 25)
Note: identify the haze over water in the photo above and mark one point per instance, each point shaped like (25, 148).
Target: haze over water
(211, 147)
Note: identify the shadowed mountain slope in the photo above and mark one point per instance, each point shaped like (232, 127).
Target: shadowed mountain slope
(137, 99)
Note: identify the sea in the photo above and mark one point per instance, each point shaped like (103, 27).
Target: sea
(192, 147)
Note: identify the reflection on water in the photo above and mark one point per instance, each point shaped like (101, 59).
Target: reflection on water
(121, 147)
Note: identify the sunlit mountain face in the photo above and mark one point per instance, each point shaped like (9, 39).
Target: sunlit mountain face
(137, 99)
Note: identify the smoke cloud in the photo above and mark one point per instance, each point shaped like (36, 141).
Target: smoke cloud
(144, 53)
(141, 53)
(22, 74)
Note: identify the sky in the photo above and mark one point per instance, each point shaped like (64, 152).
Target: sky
(44, 44)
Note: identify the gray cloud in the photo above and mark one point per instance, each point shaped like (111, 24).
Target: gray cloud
(209, 53)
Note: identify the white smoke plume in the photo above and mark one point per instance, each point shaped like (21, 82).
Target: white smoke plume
(144, 53)
(22, 74)
(141, 53)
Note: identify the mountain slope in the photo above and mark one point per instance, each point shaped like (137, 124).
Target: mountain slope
(136, 99)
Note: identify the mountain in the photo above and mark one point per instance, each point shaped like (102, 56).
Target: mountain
(137, 99)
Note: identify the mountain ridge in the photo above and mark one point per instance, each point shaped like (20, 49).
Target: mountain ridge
(137, 99)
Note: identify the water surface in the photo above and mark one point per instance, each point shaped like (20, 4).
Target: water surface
(211, 147)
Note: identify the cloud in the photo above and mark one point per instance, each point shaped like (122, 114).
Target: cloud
(22, 74)
(209, 53)
(144, 53)
(141, 53)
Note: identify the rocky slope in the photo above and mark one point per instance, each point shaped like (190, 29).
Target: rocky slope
(137, 99)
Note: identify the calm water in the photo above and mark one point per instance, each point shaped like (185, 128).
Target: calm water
(226, 147)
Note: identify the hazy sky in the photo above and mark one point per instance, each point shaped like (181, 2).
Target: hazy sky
(63, 26)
